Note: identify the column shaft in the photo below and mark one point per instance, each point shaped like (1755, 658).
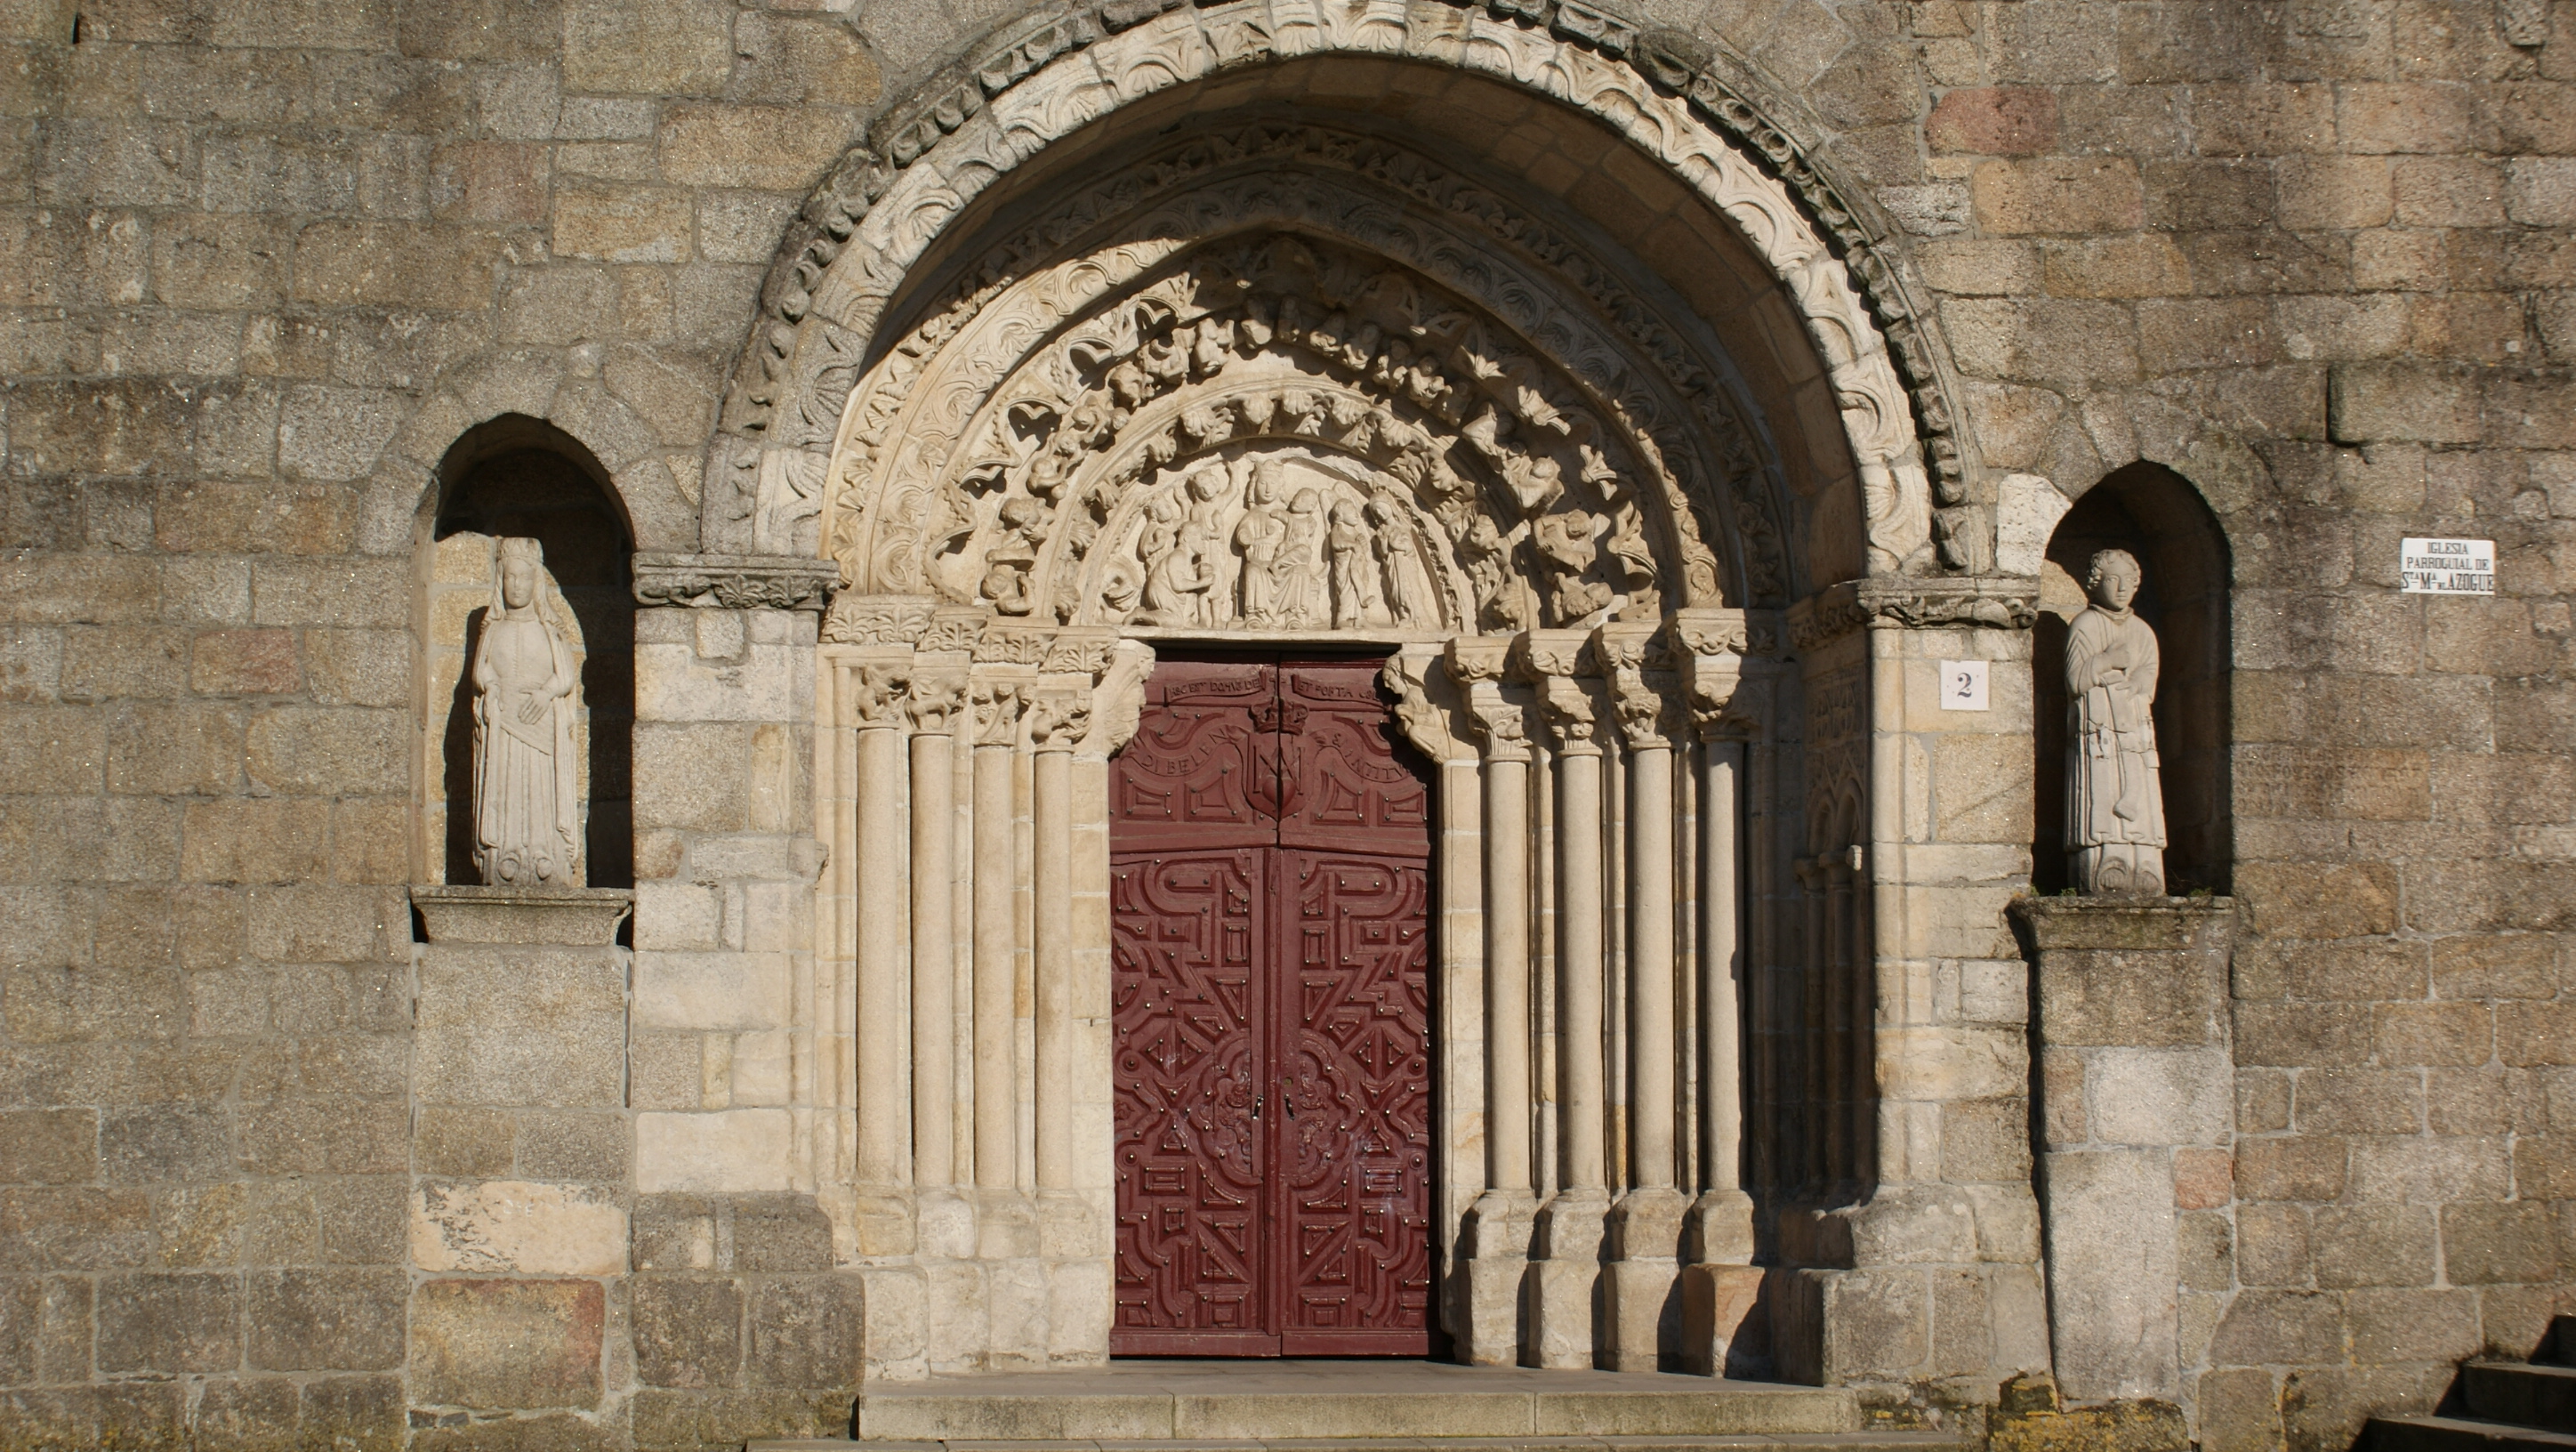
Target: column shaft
(884, 1124)
(1650, 965)
(997, 944)
(934, 968)
(1507, 976)
(1721, 965)
(1579, 953)
(1052, 881)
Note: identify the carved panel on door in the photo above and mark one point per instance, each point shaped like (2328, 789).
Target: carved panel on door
(1356, 1157)
(1200, 771)
(1343, 784)
(1191, 1164)
(1270, 906)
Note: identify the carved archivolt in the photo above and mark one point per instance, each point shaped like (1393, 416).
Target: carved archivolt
(1284, 400)
(878, 215)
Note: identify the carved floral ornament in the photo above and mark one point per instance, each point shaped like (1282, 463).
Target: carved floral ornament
(1672, 477)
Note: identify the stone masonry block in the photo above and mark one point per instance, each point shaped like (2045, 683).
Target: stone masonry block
(688, 1330)
(2429, 403)
(317, 1320)
(808, 1331)
(161, 1322)
(49, 1146)
(517, 1227)
(2498, 1244)
(506, 1344)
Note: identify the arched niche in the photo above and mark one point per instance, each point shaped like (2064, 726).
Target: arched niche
(519, 476)
(2158, 516)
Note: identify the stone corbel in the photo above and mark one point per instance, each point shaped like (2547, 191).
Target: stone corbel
(1430, 705)
(734, 582)
(1119, 702)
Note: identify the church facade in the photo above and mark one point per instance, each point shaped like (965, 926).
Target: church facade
(708, 702)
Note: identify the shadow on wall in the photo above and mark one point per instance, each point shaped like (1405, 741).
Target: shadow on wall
(2158, 516)
(520, 477)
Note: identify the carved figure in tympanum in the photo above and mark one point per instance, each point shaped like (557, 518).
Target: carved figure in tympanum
(2115, 819)
(1268, 571)
(527, 798)
(1399, 563)
(1346, 541)
(1302, 557)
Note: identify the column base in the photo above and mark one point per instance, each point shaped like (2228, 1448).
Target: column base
(1719, 1229)
(1493, 1264)
(1642, 1317)
(1565, 1285)
(897, 1306)
(1726, 1327)
(1641, 1320)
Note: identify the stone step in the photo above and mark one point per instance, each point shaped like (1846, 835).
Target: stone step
(2456, 1434)
(2521, 1393)
(1785, 1442)
(1199, 1403)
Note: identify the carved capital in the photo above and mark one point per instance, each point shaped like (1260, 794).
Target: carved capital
(734, 582)
(1627, 645)
(1005, 644)
(1473, 658)
(1711, 632)
(1059, 719)
(1995, 604)
(998, 703)
(873, 695)
(1573, 716)
(1649, 716)
(876, 619)
(937, 698)
(1541, 655)
(1502, 721)
(1079, 651)
(954, 628)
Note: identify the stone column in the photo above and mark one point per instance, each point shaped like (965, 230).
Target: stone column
(1058, 719)
(938, 696)
(1645, 1226)
(998, 703)
(873, 700)
(1566, 1247)
(1496, 1237)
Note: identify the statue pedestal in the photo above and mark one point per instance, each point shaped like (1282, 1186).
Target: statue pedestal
(575, 917)
(2130, 1001)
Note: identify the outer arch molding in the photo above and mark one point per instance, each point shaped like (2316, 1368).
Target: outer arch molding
(886, 205)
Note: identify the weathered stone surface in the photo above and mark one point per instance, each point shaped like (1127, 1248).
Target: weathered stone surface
(506, 1344)
(508, 1226)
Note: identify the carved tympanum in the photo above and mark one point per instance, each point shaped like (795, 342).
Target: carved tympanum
(2115, 817)
(527, 801)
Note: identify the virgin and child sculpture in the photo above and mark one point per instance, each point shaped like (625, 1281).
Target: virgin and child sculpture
(527, 802)
(2115, 817)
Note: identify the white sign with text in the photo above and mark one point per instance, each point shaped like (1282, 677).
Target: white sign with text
(2446, 566)
(1963, 685)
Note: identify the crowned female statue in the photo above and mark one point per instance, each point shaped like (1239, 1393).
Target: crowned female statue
(2115, 816)
(527, 815)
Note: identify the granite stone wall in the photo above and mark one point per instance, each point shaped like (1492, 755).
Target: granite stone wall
(262, 262)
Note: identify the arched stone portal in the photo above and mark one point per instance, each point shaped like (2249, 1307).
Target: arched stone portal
(1470, 344)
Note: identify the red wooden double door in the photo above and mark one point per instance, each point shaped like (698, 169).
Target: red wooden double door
(1270, 895)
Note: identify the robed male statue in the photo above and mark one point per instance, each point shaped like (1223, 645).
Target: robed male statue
(527, 808)
(2115, 816)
